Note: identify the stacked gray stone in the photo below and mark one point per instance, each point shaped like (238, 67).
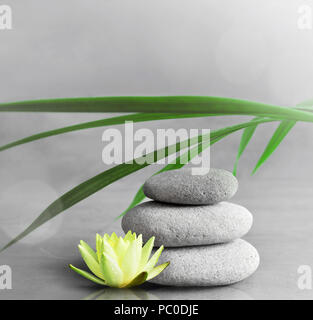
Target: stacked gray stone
(200, 230)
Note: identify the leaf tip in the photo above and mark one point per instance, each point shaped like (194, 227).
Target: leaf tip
(255, 170)
(71, 267)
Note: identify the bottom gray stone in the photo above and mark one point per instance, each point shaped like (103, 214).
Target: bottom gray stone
(214, 265)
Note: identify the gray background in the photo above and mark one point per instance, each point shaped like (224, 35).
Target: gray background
(242, 49)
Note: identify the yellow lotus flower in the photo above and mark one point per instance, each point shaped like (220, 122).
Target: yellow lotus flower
(120, 262)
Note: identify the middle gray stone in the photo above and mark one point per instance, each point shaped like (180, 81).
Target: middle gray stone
(178, 226)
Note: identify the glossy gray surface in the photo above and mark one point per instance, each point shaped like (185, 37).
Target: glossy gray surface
(226, 48)
(282, 233)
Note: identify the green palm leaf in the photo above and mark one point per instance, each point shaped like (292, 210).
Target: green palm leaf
(172, 104)
(66, 105)
(139, 117)
(140, 196)
(107, 177)
(280, 133)
(248, 133)
(245, 138)
(278, 136)
(95, 184)
(176, 164)
(306, 105)
(155, 108)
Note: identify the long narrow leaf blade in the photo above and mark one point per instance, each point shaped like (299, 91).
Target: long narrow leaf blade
(281, 133)
(107, 177)
(93, 185)
(140, 196)
(139, 117)
(176, 164)
(245, 138)
(305, 105)
(278, 136)
(171, 104)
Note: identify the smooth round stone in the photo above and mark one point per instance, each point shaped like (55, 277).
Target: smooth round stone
(178, 226)
(215, 265)
(181, 187)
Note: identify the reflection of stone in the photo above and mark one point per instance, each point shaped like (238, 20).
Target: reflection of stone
(169, 293)
(121, 294)
(214, 293)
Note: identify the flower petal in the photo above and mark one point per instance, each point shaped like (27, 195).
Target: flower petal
(113, 240)
(140, 279)
(99, 246)
(145, 252)
(121, 248)
(130, 263)
(157, 270)
(153, 261)
(89, 249)
(91, 262)
(139, 248)
(87, 275)
(113, 236)
(106, 237)
(112, 273)
(128, 236)
(106, 248)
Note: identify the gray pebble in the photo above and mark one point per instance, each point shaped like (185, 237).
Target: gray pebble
(216, 265)
(181, 187)
(177, 225)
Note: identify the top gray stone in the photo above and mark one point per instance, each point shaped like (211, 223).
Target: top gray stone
(181, 187)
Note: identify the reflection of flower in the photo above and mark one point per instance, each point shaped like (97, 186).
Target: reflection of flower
(118, 262)
(126, 294)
